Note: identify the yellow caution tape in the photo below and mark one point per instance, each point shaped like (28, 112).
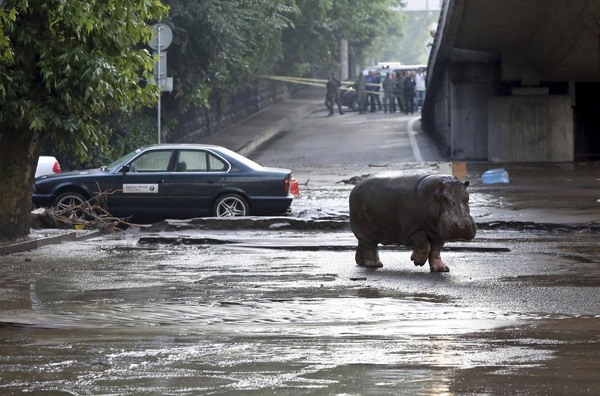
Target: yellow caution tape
(316, 82)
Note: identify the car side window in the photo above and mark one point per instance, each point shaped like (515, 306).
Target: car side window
(154, 161)
(192, 161)
(216, 164)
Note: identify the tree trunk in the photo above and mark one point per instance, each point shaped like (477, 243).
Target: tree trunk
(19, 153)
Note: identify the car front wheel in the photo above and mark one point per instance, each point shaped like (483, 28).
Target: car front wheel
(64, 202)
(231, 205)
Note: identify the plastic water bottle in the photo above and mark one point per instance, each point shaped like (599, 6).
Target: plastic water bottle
(495, 176)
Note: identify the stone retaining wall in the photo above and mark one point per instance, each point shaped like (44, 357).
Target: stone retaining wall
(201, 122)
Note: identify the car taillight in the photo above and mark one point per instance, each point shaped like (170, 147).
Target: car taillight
(56, 168)
(286, 184)
(294, 187)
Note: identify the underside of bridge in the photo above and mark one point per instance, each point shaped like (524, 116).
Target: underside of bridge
(516, 80)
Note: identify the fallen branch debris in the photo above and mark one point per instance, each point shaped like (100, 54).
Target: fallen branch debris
(91, 214)
(355, 179)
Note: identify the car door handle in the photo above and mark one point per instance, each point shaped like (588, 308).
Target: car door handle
(211, 181)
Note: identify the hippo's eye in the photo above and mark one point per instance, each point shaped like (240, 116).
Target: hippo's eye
(444, 199)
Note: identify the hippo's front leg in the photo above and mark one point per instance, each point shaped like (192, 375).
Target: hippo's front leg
(419, 242)
(435, 260)
(367, 255)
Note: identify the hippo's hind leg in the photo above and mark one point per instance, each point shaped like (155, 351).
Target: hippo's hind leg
(367, 255)
(360, 254)
(435, 260)
(420, 244)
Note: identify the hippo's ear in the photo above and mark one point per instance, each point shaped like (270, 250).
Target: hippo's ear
(466, 184)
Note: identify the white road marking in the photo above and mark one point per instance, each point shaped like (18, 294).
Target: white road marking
(413, 140)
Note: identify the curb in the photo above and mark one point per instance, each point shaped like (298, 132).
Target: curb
(287, 223)
(272, 132)
(68, 236)
(261, 139)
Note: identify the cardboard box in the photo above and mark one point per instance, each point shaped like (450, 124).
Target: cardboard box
(459, 169)
(456, 169)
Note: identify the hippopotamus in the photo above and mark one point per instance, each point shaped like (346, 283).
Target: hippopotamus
(421, 211)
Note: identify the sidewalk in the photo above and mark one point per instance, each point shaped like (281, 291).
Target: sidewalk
(250, 134)
(44, 237)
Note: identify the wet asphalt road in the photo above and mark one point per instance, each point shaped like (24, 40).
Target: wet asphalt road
(287, 312)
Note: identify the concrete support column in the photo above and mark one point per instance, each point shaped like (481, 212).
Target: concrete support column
(344, 59)
(530, 129)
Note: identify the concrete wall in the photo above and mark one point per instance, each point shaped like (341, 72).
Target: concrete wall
(530, 129)
(436, 117)
(471, 86)
(201, 122)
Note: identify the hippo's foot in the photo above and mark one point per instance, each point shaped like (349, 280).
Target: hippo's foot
(372, 264)
(419, 258)
(367, 255)
(437, 265)
(360, 258)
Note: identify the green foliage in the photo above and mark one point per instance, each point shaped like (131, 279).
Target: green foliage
(219, 46)
(77, 73)
(126, 133)
(410, 47)
(66, 62)
(311, 46)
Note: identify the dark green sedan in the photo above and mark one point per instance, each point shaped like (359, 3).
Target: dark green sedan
(174, 181)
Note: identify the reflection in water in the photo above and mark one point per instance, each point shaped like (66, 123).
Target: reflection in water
(186, 322)
(315, 317)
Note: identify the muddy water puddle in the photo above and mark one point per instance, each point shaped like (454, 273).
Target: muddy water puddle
(115, 317)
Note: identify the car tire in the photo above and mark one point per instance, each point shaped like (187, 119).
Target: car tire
(231, 205)
(66, 200)
(353, 104)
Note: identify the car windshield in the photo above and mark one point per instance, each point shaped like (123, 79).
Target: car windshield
(241, 159)
(121, 160)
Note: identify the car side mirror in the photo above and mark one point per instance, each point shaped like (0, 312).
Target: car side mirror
(125, 168)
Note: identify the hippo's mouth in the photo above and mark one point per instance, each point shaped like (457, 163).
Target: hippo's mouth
(459, 231)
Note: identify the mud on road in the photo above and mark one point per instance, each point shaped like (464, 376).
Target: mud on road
(288, 312)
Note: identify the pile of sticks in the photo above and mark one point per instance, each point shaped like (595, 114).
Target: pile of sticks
(91, 214)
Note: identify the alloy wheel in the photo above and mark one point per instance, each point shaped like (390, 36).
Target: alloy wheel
(64, 204)
(231, 207)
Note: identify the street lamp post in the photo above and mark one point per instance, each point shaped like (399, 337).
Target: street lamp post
(158, 79)
(161, 39)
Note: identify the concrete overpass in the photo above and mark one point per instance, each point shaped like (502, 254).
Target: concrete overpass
(514, 80)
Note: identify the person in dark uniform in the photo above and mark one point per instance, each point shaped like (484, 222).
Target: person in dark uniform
(372, 89)
(377, 89)
(361, 93)
(409, 94)
(388, 94)
(398, 85)
(338, 85)
(330, 96)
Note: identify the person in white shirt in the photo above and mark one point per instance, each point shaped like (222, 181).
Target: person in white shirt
(420, 89)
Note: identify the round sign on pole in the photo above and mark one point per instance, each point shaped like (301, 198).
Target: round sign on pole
(166, 36)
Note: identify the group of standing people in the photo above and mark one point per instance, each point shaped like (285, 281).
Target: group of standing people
(405, 88)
